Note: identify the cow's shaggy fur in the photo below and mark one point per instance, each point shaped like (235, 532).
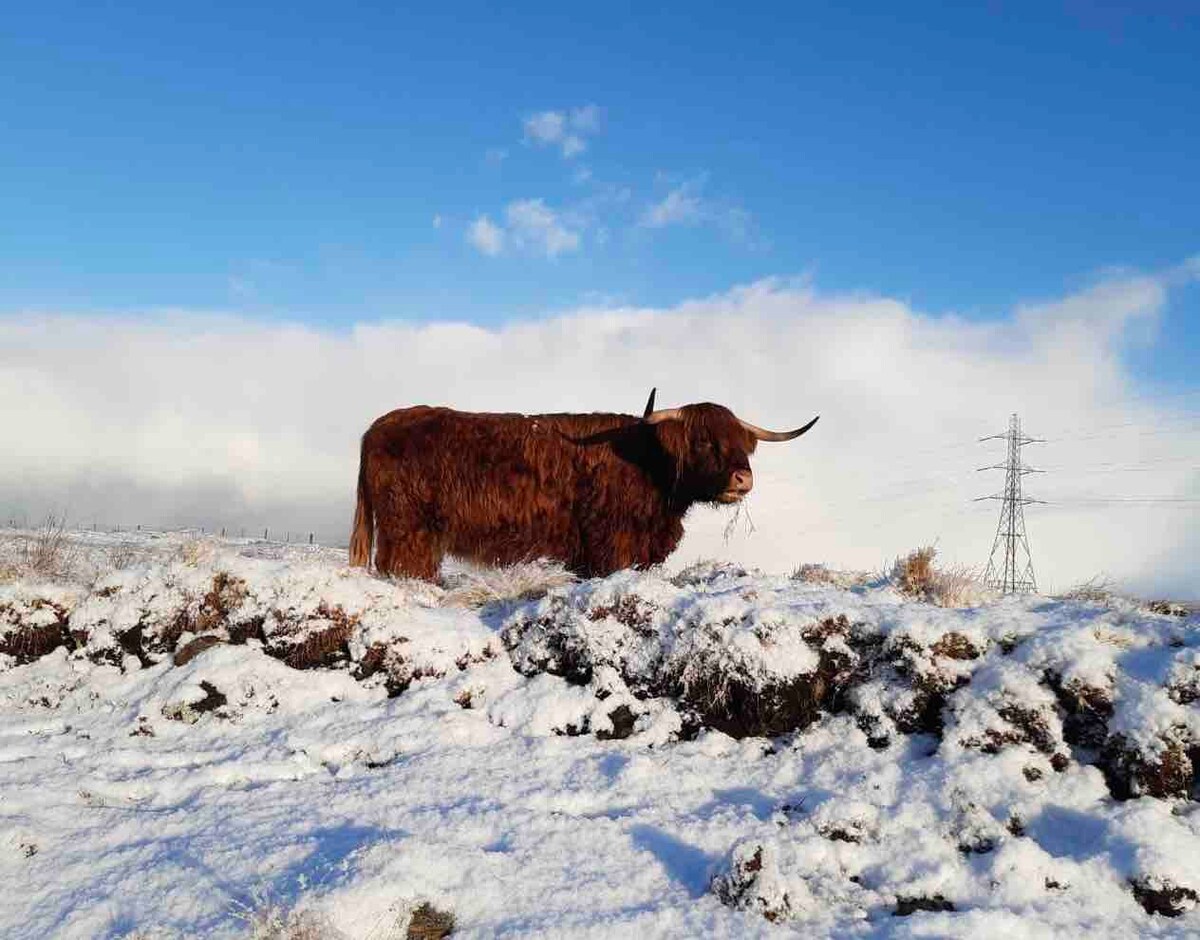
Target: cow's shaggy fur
(598, 492)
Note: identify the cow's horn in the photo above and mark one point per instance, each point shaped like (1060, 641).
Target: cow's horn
(666, 414)
(763, 435)
(650, 403)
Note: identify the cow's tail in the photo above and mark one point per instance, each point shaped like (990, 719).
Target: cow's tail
(362, 536)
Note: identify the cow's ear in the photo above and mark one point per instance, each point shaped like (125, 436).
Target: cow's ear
(672, 435)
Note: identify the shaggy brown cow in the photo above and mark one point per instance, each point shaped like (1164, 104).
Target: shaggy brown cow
(599, 492)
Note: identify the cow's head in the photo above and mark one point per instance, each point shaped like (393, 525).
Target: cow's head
(710, 448)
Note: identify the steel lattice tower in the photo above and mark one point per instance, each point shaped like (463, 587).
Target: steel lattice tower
(1015, 572)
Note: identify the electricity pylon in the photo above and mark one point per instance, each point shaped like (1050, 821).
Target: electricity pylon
(1015, 573)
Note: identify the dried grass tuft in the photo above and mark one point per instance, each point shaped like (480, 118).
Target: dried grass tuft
(1098, 589)
(916, 576)
(476, 585)
(272, 922)
(822, 574)
(196, 551)
(49, 554)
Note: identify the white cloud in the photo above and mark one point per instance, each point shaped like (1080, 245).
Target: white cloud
(566, 130)
(537, 227)
(686, 204)
(573, 145)
(437, 221)
(586, 119)
(680, 206)
(486, 236)
(173, 418)
(530, 227)
(546, 127)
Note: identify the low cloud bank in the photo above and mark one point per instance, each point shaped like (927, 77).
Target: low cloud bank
(184, 418)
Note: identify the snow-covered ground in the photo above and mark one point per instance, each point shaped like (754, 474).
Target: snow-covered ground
(204, 738)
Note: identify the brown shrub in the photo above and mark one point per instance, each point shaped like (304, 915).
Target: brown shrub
(740, 710)
(630, 610)
(1130, 773)
(955, 646)
(225, 595)
(1169, 608)
(26, 642)
(309, 642)
(195, 648)
(428, 923)
(1087, 710)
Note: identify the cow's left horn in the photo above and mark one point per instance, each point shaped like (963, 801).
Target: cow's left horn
(650, 403)
(763, 435)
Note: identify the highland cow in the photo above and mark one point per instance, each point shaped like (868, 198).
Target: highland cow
(598, 492)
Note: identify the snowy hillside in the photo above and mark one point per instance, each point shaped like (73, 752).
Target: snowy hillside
(225, 740)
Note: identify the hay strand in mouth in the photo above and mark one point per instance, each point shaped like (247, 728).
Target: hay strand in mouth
(740, 511)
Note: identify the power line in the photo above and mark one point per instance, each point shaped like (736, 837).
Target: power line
(1098, 500)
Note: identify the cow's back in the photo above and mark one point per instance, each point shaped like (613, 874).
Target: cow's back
(498, 488)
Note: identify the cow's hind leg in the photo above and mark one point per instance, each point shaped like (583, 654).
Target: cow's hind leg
(411, 555)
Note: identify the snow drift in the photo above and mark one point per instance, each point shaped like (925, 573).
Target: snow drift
(188, 739)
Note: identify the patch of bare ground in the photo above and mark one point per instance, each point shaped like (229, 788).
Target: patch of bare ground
(1163, 896)
(911, 905)
(751, 882)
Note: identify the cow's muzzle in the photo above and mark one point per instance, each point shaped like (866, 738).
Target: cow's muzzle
(741, 482)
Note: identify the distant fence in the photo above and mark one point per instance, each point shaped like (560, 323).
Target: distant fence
(283, 536)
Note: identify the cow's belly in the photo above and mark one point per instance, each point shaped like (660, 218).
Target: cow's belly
(511, 522)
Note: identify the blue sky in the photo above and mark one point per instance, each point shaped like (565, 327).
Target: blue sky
(328, 163)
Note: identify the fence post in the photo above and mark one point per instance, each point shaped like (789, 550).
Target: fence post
(310, 538)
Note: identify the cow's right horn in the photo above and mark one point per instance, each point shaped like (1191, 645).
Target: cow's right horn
(764, 435)
(666, 414)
